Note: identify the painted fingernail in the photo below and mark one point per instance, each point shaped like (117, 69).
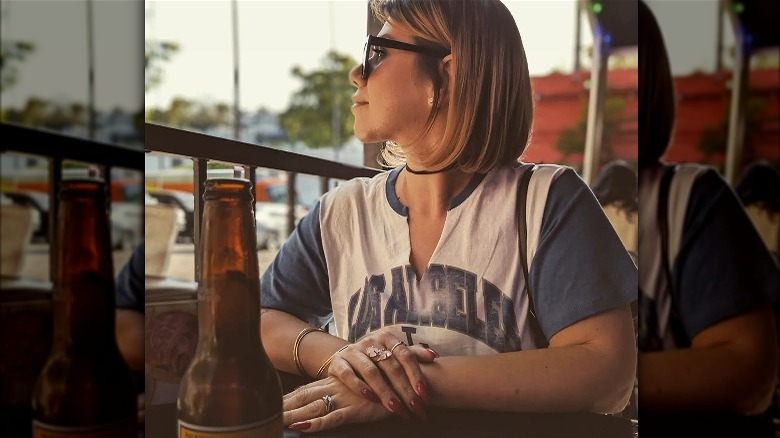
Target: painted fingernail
(395, 407)
(417, 408)
(301, 425)
(422, 391)
(433, 351)
(369, 394)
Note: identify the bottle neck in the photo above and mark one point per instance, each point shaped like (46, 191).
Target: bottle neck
(229, 295)
(83, 301)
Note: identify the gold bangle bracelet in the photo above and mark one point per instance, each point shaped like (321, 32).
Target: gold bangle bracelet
(297, 344)
(329, 360)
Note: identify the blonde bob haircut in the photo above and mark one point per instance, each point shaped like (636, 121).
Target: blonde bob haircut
(490, 109)
(657, 112)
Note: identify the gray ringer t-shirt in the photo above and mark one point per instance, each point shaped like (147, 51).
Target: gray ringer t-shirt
(348, 262)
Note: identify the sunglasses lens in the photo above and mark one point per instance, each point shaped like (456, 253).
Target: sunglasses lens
(366, 66)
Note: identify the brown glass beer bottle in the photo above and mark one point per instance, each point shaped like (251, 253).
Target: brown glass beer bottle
(85, 388)
(231, 388)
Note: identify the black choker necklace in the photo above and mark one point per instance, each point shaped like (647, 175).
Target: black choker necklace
(428, 172)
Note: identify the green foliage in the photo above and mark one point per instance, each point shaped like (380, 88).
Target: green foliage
(155, 53)
(310, 115)
(714, 139)
(572, 139)
(12, 53)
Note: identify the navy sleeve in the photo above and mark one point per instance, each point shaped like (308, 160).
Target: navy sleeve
(130, 282)
(722, 268)
(296, 282)
(580, 268)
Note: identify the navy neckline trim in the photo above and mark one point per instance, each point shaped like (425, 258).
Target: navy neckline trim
(398, 207)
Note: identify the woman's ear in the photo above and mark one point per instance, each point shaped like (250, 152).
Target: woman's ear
(447, 73)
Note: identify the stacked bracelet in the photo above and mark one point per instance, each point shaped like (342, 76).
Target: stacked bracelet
(298, 340)
(329, 360)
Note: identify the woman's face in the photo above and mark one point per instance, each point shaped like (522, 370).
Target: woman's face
(392, 104)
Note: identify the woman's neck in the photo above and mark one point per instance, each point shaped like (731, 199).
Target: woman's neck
(430, 194)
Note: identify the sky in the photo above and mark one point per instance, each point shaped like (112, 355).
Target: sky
(270, 45)
(57, 69)
(274, 36)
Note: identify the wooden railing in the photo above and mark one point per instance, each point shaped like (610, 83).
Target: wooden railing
(56, 148)
(202, 148)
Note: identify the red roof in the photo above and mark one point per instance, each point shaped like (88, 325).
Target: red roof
(703, 105)
(560, 103)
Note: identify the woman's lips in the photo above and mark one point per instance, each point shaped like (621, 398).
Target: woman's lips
(357, 102)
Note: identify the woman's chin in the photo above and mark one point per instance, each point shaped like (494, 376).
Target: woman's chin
(366, 137)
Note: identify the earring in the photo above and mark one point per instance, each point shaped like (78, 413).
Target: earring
(430, 101)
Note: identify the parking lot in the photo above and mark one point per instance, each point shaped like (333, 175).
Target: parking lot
(182, 263)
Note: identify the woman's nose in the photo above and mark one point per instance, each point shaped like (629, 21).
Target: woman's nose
(356, 76)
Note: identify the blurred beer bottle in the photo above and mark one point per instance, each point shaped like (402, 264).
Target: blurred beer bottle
(231, 388)
(85, 388)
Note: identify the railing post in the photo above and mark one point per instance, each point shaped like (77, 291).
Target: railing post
(324, 183)
(55, 177)
(200, 173)
(291, 201)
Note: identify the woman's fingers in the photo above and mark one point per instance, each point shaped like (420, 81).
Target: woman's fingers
(326, 404)
(316, 424)
(368, 370)
(312, 409)
(403, 372)
(341, 369)
(424, 355)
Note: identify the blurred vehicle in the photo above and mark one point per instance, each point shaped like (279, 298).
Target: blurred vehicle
(149, 199)
(266, 237)
(40, 203)
(271, 223)
(126, 224)
(126, 218)
(186, 202)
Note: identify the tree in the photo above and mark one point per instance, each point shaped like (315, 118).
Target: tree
(572, 138)
(179, 113)
(322, 102)
(155, 53)
(12, 53)
(714, 139)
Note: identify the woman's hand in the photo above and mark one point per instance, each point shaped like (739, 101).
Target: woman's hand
(388, 376)
(306, 408)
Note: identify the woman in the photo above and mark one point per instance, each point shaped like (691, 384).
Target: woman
(708, 357)
(418, 267)
(616, 191)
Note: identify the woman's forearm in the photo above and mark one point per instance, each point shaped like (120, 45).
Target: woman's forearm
(560, 379)
(735, 372)
(590, 366)
(279, 331)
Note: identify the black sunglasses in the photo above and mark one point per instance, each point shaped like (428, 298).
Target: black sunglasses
(375, 41)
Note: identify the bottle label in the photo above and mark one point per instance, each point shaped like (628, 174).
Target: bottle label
(267, 428)
(128, 429)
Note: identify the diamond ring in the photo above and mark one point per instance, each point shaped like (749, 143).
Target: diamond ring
(378, 354)
(328, 404)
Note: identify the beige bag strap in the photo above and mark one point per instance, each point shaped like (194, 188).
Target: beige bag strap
(679, 194)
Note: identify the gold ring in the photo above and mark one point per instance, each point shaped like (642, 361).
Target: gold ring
(396, 344)
(328, 404)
